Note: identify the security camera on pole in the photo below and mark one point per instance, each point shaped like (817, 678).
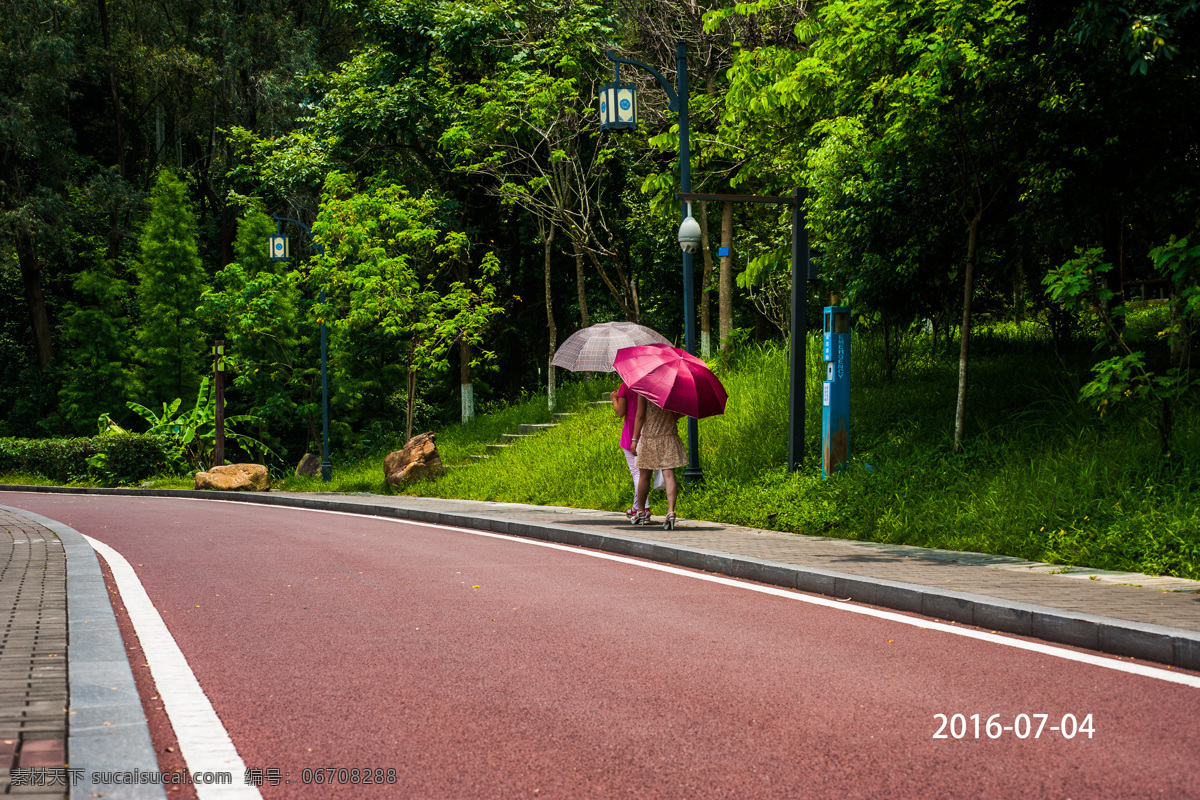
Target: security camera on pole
(689, 233)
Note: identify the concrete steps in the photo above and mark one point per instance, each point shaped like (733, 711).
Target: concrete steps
(524, 431)
(537, 427)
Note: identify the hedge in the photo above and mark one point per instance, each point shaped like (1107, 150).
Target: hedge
(123, 457)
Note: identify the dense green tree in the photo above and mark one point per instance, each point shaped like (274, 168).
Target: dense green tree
(96, 347)
(388, 268)
(253, 304)
(38, 63)
(935, 100)
(171, 280)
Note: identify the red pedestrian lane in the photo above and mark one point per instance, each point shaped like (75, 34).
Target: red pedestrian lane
(483, 667)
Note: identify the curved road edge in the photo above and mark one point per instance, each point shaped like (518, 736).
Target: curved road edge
(107, 731)
(1161, 644)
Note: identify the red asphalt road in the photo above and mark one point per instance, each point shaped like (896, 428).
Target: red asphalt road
(487, 668)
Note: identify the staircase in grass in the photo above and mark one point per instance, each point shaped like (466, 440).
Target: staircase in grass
(525, 430)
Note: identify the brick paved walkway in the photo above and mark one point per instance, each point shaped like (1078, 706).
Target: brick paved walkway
(33, 658)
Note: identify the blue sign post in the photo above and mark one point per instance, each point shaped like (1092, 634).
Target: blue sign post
(835, 404)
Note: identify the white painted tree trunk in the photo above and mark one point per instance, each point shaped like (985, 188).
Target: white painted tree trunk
(468, 402)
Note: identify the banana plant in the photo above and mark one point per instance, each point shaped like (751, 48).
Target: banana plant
(193, 432)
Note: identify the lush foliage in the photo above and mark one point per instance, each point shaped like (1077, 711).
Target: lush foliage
(1155, 379)
(966, 163)
(110, 458)
(192, 433)
(170, 282)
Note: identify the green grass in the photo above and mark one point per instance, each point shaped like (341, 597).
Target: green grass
(28, 479)
(362, 471)
(1042, 477)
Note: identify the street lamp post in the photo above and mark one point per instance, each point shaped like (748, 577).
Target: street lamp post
(801, 273)
(278, 249)
(618, 110)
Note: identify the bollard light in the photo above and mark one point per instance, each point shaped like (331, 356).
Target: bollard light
(835, 391)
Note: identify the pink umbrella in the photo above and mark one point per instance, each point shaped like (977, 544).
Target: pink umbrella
(671, 378)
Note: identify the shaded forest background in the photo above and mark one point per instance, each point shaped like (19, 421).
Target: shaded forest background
(966, 162)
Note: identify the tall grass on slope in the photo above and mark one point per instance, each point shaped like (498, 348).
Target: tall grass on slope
(1041, 478)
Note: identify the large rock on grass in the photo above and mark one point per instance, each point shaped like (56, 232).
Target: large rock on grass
(418, 461)
(309, 466)
(235, 478)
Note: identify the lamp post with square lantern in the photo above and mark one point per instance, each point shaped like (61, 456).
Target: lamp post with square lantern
(618, 111)
(279, 249)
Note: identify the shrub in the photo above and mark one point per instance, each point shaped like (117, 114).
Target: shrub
(130, 457)
(112, 458)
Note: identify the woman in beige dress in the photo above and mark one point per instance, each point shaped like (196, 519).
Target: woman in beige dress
(657, 445)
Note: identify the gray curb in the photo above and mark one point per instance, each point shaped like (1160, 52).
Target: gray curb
(106, 729)
(1172, 646)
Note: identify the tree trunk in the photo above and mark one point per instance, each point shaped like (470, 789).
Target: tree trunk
(465, 382)
(960, 413)
(31, 278)
(1166, 421)
(1112, 240)
(114, 229)
(888, 365)
(547, 243)
(160, 133)
(466, 385)
(706, 253)
(725, 292)
(579, 282)
(114, 94)
(411, 381)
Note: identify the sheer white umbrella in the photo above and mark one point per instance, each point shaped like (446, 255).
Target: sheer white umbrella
(593, 349)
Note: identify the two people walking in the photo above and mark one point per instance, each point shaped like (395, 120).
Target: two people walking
(652, 447)
(661, 383)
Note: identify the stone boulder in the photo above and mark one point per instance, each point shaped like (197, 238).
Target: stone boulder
(309, 466)
(235, 477)
(418, 460)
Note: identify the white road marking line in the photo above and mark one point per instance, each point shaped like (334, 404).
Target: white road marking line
(203, 740)
(1037, 647)
(793, 594)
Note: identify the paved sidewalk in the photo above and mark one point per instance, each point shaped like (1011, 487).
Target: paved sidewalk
(33, 659)
(69, 709)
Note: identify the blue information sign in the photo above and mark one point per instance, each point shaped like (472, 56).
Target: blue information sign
(835, 394)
